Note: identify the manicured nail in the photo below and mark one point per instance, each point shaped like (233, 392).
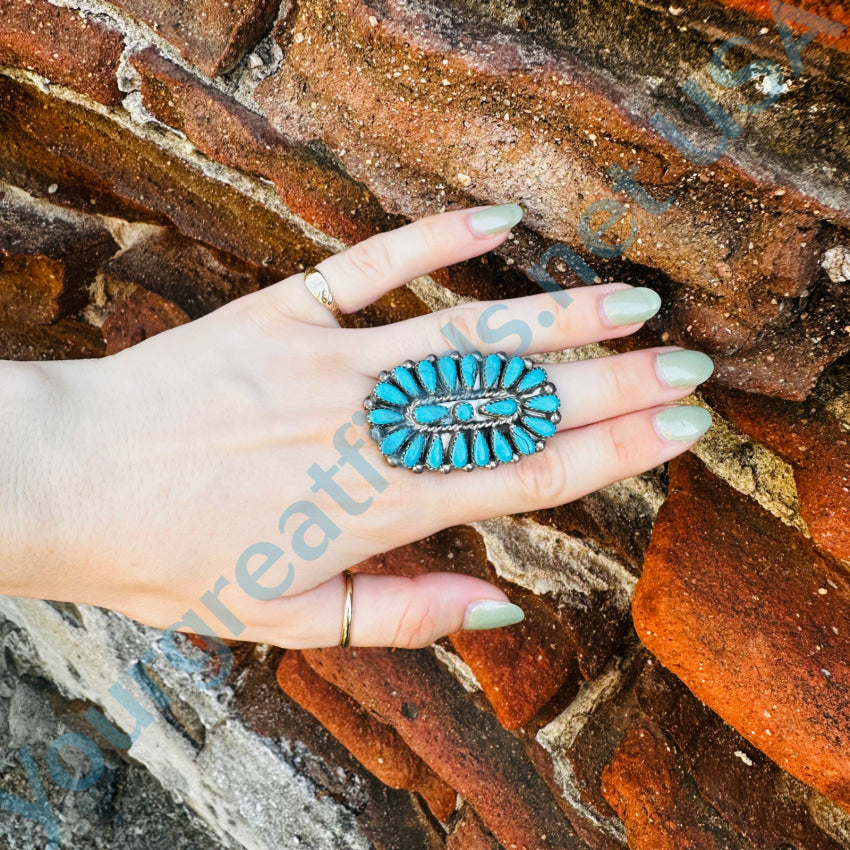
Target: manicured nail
(683, 422)
(489, 614)
(493, 220)
(683, 368)
(631, 305)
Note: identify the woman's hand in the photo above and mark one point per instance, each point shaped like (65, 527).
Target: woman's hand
(155, 480)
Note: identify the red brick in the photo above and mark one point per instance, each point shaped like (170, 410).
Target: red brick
(375, 745)
(470, 834)
(136, 314)
(812, 439)
(834, 10)
(235, 136)
(67, 339)
(752, 793)
(145, 175)
(519, 668)
(467, 747)
(67, 47)
(47, 260)
(740, 303)
(755, 621)
(195, 277)
(213, 36)
(646, 787)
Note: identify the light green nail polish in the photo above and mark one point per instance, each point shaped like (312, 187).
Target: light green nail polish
(683, 368)
(631, 305)
(489, 614)
(684, 422)
(493, 220)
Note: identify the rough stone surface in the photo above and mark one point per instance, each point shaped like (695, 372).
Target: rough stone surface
(67, 48)
(466, 746)
(759, 630)
(213, 37)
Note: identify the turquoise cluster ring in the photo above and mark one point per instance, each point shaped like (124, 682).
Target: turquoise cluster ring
(462, 411)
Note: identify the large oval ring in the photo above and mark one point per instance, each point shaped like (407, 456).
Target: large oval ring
(462, 411)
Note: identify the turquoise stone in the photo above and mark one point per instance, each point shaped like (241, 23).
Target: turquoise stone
(546, 403)
(406, 381)
(523, 441)
(428, 375)
(391, 394)
(392, 443)
(532, 379)
(492, 370)
(448, 371)
(502, 448)
(414, 451)
(469, 370)
(463, 412)
(427, 413)
(502, 407)
(513, 370)
(480, 450)
(543, 427)
(383, 416)
(435, 453)
(460, 452)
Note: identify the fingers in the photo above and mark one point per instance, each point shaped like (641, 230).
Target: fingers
(607, 387)
(410, 612)
(363, 273)
(529, 325)
(572, 464)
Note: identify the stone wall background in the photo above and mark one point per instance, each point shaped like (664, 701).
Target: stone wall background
(682, 677)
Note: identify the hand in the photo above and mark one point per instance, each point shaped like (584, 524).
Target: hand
(157, 475)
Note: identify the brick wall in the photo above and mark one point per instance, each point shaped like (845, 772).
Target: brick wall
(682, 677)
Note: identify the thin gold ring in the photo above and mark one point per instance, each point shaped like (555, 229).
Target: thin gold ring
(319, 289)
(346, 617)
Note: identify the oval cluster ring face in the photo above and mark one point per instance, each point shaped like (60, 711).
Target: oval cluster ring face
(462, 411)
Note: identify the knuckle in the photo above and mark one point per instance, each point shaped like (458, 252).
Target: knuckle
(458, 324)
(416, 627)
(371, 258)
(619, 442)
(542, 478)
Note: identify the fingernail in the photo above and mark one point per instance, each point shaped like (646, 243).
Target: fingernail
(493, 220)
(683, 368)
(631, 305)
(489, 614)
(683, 422)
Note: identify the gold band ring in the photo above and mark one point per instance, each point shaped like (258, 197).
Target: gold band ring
(346, 617)
(319, 289)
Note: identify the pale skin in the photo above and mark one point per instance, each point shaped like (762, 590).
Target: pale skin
(136, 481)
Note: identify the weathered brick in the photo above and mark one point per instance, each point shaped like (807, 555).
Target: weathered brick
(466, 746)
(754, 621)
(392, 819)
(194, 276)
(136, 314)
(520, 668)
(213, 36)
(67, 339)
(470, 834)
(737, 255)
(144, 174)
(47, 259)
(750, 791)
(814, 441)
(647, 788)
(69, 48)
(375, 745)
(233, 135)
